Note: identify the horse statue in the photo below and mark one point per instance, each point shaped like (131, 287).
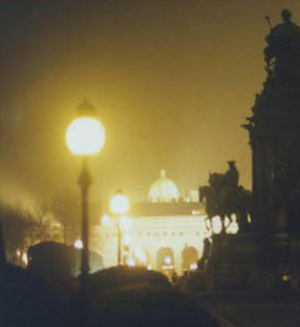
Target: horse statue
(224, 198)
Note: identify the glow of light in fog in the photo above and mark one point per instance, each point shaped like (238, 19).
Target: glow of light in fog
(193, 266)
(78, 244)
(119, 204)
(167, 260)
(105, 220)
(85, 136)
(130, 262)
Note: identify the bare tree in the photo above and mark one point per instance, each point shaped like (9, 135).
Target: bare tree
(23, 228)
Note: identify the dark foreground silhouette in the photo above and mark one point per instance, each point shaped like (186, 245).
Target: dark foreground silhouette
(118, 296)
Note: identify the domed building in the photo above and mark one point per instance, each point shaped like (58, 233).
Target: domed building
(164, 233)
(163, 190)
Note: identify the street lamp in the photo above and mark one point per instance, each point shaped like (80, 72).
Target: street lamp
(119, 206)
(85, 137)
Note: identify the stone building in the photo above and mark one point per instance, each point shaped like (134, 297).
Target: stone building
(165, 233)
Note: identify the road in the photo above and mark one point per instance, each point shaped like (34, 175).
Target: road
(253, 310)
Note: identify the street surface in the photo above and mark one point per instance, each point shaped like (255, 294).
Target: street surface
(253, 310)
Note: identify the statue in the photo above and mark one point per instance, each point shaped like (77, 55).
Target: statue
(274, 131)
(231, 177)
(283, 50)
(225, 198)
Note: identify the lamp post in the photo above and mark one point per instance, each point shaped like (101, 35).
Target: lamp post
(119, 206)
(85, 137)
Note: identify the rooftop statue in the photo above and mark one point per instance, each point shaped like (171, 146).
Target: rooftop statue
(282, 54)
(280, 91)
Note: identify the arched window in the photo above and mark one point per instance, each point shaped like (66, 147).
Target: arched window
(189, 257)
(165, 259)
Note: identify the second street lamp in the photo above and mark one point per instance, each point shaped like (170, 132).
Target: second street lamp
(119, 206)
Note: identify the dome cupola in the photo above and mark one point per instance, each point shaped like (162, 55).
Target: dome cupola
(163, 190)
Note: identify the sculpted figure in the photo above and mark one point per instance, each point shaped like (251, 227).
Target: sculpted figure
(283, 49)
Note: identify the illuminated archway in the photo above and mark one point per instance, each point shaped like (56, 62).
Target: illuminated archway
(189, 257)
(165, 259)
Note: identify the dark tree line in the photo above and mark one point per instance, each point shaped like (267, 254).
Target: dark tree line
(23, 228)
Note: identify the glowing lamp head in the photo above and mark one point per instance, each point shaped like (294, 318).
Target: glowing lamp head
(119, 204)
(85, 135)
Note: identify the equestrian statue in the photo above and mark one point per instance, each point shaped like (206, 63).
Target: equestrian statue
(224, 197)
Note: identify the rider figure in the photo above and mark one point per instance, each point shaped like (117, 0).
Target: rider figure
(231, 177)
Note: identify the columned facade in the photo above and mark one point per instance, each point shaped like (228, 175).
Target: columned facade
(158, 242)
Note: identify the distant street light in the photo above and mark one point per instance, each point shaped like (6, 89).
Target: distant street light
(119, 206)
(85, 137)
(78, 244)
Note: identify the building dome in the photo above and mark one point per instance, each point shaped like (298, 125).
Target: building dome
(163, 190)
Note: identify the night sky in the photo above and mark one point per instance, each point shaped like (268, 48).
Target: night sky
(172, 81)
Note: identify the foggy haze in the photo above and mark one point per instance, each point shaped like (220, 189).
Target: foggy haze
(172, 81)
